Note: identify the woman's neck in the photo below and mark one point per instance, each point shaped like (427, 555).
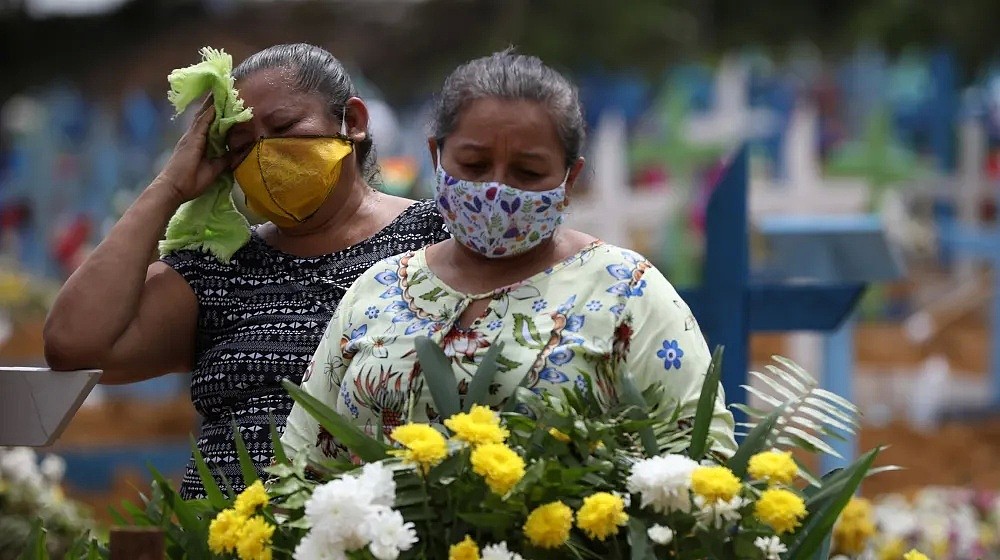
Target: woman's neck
(472, 273)
(341, 222)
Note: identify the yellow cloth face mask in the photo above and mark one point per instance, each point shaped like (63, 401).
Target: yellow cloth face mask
(287, 179)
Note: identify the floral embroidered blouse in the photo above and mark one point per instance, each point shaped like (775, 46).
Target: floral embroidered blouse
(601, 311)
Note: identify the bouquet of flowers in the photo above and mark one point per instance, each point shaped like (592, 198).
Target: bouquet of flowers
(32, 503)
(951, 523)
(550, 476)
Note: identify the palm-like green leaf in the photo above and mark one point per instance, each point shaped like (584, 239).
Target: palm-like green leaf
(246, 463)
(706, 406)
(364, 446)
(810, 415)
(36, 549)
(439, 376)
(212, 491)
(479, 387)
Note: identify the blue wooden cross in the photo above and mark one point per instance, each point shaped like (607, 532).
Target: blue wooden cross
(729, 305)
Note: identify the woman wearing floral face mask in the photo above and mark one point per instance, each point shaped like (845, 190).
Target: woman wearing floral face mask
(304, 162)
(508, 132)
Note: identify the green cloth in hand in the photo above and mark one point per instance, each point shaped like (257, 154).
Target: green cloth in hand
(210, 222)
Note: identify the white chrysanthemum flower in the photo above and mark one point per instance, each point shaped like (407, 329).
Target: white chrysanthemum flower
(660, 535)
(499, 551)
(719, 513)
(663, 482)
(772, 547)
(314, 547)
(336, 512)
(389, 534)
(53, 468)
(378, 479)
(895, 518)
(19, 465)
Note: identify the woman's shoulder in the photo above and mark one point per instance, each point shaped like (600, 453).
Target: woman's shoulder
(627, 270)
(419, 217)
(605, 254)
(195, 264)
(390, 274)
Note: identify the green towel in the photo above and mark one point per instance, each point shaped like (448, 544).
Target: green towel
(210, 222)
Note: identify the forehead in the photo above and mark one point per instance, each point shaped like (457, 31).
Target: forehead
(517, 123)
(271, 88)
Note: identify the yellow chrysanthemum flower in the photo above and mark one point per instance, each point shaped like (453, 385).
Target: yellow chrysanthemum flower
(424, 445)
(940, 547)
(477, 427)
(465, 550)
(782, 509)
(915, 555)
(854, 527)
(499, 465)
(776, 467)
(548, 526)
(224, 531)
(715, 484)
(893, 549)
(251, 499)
(558, 435)
(255, 539)
(601, 515)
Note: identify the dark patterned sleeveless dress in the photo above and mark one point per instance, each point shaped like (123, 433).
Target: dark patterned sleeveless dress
(260, 319)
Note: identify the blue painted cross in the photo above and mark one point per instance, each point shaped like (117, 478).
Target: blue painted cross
(729, 305)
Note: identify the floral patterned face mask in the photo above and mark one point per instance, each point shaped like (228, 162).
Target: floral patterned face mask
(495, 219)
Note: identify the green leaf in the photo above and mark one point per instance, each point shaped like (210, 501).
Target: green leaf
(36, 549)
(479, 387)
(194, 531)
(439, 376)
(246, 463)
(447, 468)
(642, 548)
(279, 449)
(139, 517)
(512, 400)
(754, 443)
(212, 491)
(706, 406)
(639, 411)
(360, 443)
(824, 550)
(820, 523)
(116, 516)
(495, 521)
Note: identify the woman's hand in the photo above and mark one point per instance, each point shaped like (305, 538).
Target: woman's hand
(190, 171)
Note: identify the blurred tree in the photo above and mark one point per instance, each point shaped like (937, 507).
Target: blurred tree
(407, 47)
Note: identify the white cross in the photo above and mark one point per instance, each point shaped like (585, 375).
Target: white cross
(805, 191)
(612, 210)
(732, 119)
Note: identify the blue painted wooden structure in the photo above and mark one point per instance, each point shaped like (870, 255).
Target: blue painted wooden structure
(729, 304)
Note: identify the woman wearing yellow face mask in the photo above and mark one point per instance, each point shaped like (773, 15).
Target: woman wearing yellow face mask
(305, 163)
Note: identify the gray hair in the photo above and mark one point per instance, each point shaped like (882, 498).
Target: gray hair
(508, 75)
(315, 71)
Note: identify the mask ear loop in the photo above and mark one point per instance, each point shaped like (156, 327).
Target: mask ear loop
(343, 134)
